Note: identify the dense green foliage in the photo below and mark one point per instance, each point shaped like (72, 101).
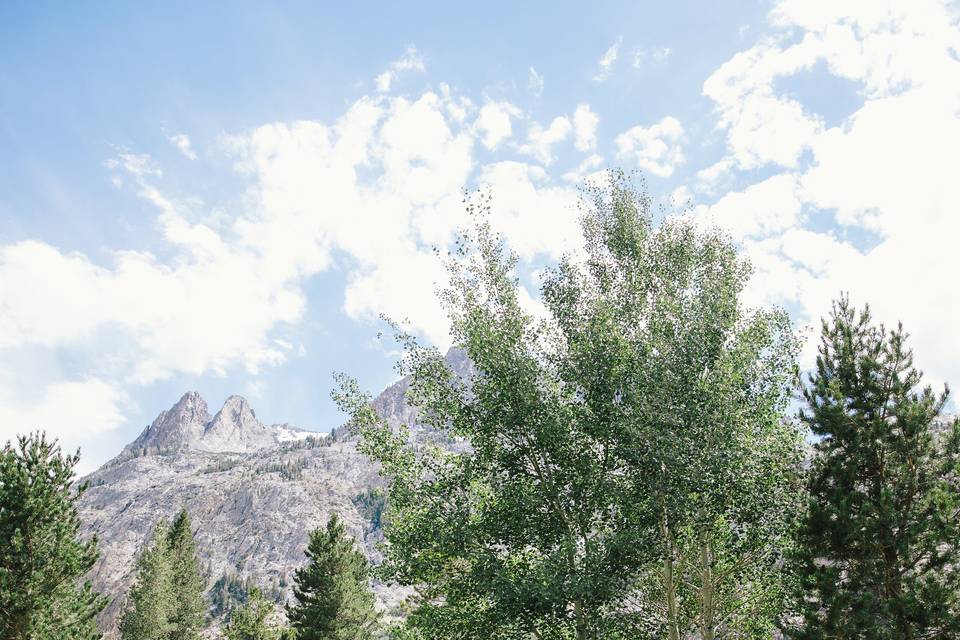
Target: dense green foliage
(371, 504)
(42, 557)
(166, 600)
(628, 474)
(189, 612)
(228, 592)
(333, 597)
(147, 614)
(250, 621)
(880, 548)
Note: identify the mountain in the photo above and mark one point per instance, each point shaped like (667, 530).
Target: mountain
(188, 425)
(253, 492)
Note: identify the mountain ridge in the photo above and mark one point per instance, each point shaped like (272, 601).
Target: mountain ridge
(253, 493)
(189, 425)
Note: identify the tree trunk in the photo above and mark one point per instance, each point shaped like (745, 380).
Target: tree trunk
(581, 623)
(707, 600)
(669, 582)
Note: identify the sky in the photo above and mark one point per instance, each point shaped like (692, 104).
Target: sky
(224, 198)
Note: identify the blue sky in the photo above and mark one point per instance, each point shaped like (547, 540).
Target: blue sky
(223, 198)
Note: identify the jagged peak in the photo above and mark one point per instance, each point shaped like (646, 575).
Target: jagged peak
(236, 428)
(190, 408)
(237, 405)
(191, 402)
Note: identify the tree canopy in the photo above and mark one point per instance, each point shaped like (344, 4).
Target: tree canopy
(43, 557)
(880, 541)
(250, 621)
(332, 592)
(166, 600)
(627, 467)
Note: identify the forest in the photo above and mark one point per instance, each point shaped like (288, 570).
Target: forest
(646, 457)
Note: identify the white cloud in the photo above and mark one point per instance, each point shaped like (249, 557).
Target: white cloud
(411, 60)
(182, 142)
(761, 209)
(658, 56)
(537, 217)
(80, 410)
(657, 149)
(540, 141)
(415, 162)
(585, 123)
(137, 165)
(535, 82)
(378, 188)
(709, 179)
(661, 54)
(494, 122)
(89, 407)
(606, 61)
(884, 178)
(589, 166)
(680, 198)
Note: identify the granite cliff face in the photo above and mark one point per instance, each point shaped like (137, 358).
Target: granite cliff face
(253, 492)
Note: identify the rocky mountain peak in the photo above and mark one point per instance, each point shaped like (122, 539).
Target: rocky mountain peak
(188, 425)
(177, 426)
(236, 413)
(190, 409)
(392, 405)
(191, 404)
(236, 428)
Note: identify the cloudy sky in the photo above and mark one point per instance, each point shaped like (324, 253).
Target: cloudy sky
(224, 199)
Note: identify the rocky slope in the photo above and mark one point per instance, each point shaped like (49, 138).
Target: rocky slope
(253, 492)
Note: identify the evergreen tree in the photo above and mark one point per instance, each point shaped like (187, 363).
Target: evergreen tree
(249, 621)
(334, 601)
(42, 557)
(189, 609)
(148, 614)
(880, 539)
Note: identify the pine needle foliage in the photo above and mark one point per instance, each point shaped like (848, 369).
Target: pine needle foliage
(880, 541)
(250, 621)
(150, 602)
(166, 600)
(333, 597)
(189, 611)
(43, 559)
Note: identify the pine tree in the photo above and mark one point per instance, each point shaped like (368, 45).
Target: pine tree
(189, 609)
(42, 557)
(334, 601)
(249, 621)
(879, 544)
(150, 604)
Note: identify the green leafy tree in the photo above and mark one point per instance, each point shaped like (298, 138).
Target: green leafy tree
(333, 597)
(628, 465)
(250, 620)
(879, 542)
(148, 614)
(42, 557)
(696, 387)
(187, 586)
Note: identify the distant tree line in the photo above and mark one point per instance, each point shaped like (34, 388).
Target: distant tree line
(632, 469)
